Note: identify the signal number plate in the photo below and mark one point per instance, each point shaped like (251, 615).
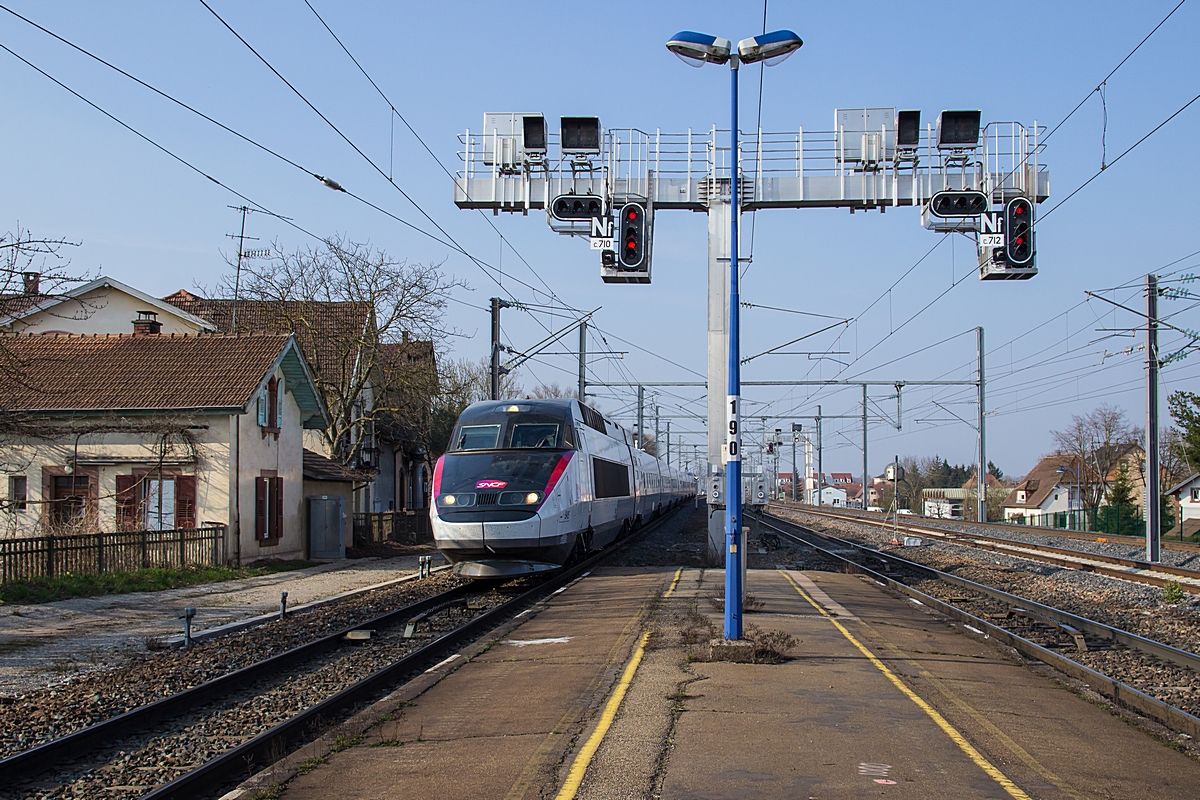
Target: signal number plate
(602, 244)
(985, 240)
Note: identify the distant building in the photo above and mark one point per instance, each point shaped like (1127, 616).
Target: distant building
(1187, 494)
(1046, 489)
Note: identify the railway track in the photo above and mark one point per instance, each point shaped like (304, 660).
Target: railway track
(1002, 528)
(180, 746)
(1113, 566)
(1153, 678)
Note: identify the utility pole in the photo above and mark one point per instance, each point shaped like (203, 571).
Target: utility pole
(583, 361)
(641, 420)
(1151, 494)
(668, 443)
(866, 467)
(820, 455)
(795, 436)
(981, 478)
(497, 304)
(657, 442)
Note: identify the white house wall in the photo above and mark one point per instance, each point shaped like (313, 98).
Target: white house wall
(102, 310)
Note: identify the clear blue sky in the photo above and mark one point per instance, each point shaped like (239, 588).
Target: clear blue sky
(147, 220)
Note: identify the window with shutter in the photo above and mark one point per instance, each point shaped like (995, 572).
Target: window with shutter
(185, 501)
(279, 389)
(272, 404)
(277, 494)
(128, 499)
(260, 508)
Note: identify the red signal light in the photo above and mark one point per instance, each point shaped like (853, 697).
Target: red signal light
(632, 214)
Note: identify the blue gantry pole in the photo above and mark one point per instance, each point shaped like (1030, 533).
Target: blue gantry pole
(733, 433)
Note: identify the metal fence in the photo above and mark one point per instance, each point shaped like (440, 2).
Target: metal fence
(1112, 520)
(406, 527)
(96, 553)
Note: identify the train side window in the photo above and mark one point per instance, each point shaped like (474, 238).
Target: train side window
(478, 437)
(535, 435)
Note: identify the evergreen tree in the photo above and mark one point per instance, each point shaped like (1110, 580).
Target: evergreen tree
(1120, 516)
(995, 471)
(1185, 409)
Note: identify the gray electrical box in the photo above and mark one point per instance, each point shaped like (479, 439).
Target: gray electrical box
(504, 137)
(866, 137)
(326, 527)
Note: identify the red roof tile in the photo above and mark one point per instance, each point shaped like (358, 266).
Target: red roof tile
(127, 372)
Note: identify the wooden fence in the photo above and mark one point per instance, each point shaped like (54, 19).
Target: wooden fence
(406, 527)
(95, 553)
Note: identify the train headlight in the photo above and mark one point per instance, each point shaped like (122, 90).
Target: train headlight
(458, 500)
(520, 498)
(448, 500)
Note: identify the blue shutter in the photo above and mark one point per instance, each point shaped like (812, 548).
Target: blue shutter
(279, 405)
(262, 409)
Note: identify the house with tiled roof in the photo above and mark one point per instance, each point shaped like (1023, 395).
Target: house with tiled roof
(343, 346)
(1047, 488)
(104, 305)
(151, 431)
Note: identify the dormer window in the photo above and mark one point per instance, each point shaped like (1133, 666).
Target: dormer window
(270, 408)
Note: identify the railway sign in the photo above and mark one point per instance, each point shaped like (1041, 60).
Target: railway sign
(991, 229)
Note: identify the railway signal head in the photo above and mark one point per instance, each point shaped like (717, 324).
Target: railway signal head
(1018, 231)
(576, 207)
(958, 204)
(631, 227)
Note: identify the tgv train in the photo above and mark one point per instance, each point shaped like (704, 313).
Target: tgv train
(527, 485)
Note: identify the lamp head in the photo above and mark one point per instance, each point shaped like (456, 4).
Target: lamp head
(771, 47)
(697, 49)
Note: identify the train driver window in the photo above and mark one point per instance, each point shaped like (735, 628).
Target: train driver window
(478, 437)
(541, 434)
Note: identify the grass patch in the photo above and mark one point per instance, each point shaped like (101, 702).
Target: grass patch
(1172, 593)
(345, 742)
(271, 792)
(309, 764)
(45, 590)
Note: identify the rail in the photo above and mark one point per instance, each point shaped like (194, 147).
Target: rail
(1122, 693)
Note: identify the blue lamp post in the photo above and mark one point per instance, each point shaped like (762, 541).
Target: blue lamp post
(698, 49)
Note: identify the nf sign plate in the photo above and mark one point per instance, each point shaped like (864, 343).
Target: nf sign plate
(991, 229)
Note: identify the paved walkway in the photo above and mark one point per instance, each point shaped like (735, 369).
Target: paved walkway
(880, 698)
(45, 642)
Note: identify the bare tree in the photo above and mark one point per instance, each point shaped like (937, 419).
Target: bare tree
(1095, 442)
(462, 382)
(548, 391)
(33, 270)
(364, 362)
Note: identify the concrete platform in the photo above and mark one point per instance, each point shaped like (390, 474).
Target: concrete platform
(877, 698)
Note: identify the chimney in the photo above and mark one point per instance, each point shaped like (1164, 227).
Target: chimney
(146, 324)
(405, 334)
(33, 281)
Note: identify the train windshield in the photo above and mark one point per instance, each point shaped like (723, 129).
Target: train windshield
(497, 472)
(516, 426)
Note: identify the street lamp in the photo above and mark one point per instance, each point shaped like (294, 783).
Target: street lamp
(698, 49)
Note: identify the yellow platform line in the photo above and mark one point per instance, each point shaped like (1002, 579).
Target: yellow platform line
(584, 759)
(971, 753)
(674, 582)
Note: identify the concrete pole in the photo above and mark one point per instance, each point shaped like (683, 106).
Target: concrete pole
(794, 463)
(495, 348)
(1151, 500)
(866, 464)
(657, 440)
(668, 443)
(718, 305)
(582, 359)
(981, 473)
(820, 456)
(641, 440)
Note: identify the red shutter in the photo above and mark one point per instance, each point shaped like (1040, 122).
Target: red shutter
(277, 529)
(185, 501)
(260, 508)
(127, 502)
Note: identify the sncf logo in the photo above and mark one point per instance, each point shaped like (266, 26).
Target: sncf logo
(490, 484)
